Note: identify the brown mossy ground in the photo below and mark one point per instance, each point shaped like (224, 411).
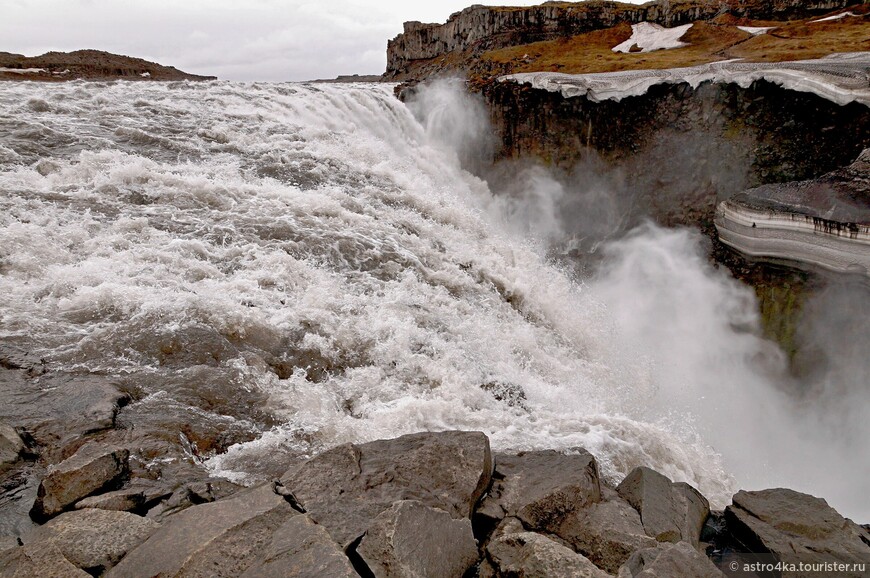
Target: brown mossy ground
(707, 42)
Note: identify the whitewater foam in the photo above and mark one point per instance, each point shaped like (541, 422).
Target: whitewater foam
(314, 246)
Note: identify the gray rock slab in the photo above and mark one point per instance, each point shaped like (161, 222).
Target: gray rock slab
(531, 555)
(607, 532)
(669, 561)
(541, 488)
(301, 549)
(93, 467)
(795, 528)
(221, 538)
(411, 540)
(93, 539)
(669, 512)
(11, 447)
(36, 560)
(345, 488)
(58, 406)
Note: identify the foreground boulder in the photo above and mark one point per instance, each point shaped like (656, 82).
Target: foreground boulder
(301, 549)
(92, 540)
(227, 534)
(92, 468)
(39, 560)
(795, 528)
(411, 540)
(541, 488)
(528, 555)
(11, 447)
(667, 561)
(345, 488)
(607, 532)
(669, 512)
(561, 494)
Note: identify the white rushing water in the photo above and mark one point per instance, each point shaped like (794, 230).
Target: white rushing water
(148, 228)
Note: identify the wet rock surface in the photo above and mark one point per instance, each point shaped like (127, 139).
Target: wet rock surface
(427, 504)
(93, 468)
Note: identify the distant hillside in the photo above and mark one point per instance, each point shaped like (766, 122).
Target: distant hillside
(87, 64)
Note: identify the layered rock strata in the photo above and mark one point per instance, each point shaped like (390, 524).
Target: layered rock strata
(822, 223)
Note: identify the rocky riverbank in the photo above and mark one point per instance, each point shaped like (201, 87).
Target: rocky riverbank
(87, 65)
(426, 504)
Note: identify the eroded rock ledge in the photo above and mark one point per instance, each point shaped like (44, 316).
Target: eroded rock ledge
(823, 222)
(443, 505)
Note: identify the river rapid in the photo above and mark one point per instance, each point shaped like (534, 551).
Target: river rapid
(304, 265)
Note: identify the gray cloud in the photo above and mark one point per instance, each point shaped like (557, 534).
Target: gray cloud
(270, 40)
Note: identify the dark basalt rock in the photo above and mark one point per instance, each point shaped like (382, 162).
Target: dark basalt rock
(93, 540)
(38, 560)
(343, 489)
(795, 528)
(665, 561)
(540, 488)
(669, 512)
(94, 467)
(410, 540)
(527, 554)
(226, 536)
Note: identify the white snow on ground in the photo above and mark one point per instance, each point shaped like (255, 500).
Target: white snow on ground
(22, 70)
(649, 37)
(145, 75)
(756, 30)
(841, 78)
(835, 17)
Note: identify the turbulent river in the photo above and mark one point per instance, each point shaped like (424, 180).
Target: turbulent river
(306, 265)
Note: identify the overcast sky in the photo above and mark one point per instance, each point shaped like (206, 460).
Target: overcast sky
(274, 40)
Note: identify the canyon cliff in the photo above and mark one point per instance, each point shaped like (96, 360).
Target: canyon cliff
(479, 28)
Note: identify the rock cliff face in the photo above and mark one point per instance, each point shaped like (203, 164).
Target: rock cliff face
(678, 149)
(675, 152)
(484, 27)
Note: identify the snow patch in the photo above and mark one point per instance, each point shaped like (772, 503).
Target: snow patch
(756, 30)
(835, 17)
(841, 78)
(649, 37)
(22, 70)
(145, 75)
